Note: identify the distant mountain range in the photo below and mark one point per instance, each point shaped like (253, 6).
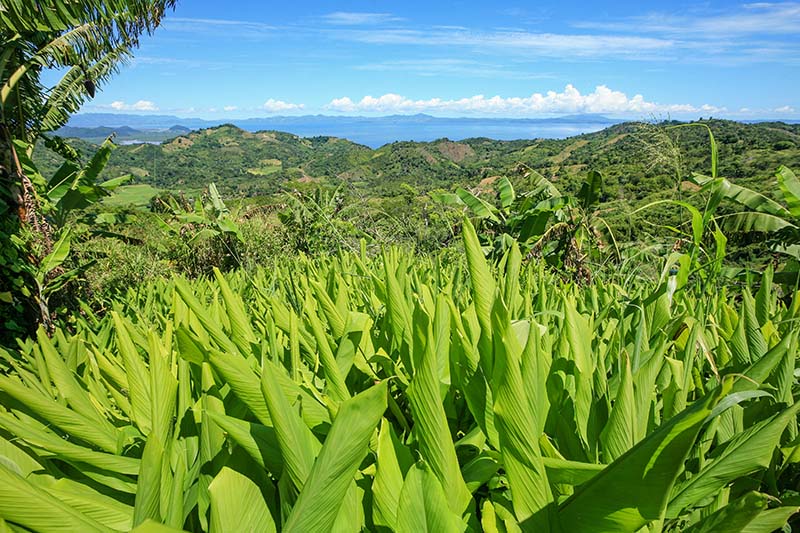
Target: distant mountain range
(123, 134)
(370, 131)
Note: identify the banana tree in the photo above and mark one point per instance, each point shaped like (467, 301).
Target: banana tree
(74, 187)
(90, 39)
(87, 40)
(563, 229)
(780, 222)
(206, 222)
(762, 214)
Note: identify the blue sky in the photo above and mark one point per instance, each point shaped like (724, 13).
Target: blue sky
(621, 58)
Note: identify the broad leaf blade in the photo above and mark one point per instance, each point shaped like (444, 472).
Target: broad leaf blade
(332, 474)
(633, 490)
(238, 505)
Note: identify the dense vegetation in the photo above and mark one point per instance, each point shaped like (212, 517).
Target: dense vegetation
(288, 194)
(399, 393)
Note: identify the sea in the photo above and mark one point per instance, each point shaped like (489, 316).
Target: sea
(378, 131)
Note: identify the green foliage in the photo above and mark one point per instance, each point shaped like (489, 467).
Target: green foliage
(206, 229)
(353, 393)
(314, 223)
(636, 160)
(84, 40)
(36, 267)
(564, 230)
(761, 215)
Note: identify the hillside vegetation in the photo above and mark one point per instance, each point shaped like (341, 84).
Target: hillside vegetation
(575, 335)
(637, 160)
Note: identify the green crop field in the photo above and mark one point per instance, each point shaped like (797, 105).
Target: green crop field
(351, 393)
(132, 195)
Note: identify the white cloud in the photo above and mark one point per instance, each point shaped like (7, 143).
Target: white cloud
(141, 105)
(230, 108)
(570, 100)
(785, 109)
(515, 41)
(278, 106)
(756, 18)
(230, 28)
(347, 18)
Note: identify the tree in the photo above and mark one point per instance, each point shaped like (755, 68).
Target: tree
(564, 230)
(761, 214)
(86, 39)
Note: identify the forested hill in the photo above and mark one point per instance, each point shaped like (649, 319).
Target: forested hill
(636, 159)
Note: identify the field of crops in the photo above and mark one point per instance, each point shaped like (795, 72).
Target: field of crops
(132, 195)
(401, 393)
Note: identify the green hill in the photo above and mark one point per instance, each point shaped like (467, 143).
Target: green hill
(637, 160)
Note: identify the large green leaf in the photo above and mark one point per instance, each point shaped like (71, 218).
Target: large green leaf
(423, 505)
(148, 489)
(297, 444)
(388, 478)
(481, 208)
(57, 256)
(754, 221)
(260, 442)
(241, 331)
(68, 387)
(619, 435)
(52, 444)
(86, 429)
(483, 288)
(432, 431)
(790, 187)
(137, 376)
(516, 425)
(633, 490)
(506, 192)
(591, 190)
(743, 196)
(734, 517)
(97, 506)
(334, 379)
(747, 452)
(771, 520)
(238, 505)
(33, 508)
(332, 475)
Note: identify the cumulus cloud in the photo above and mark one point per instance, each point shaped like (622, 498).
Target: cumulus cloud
(570, 100)
(141, 105)
(230, 108)
(277, 106)
(785, 109)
